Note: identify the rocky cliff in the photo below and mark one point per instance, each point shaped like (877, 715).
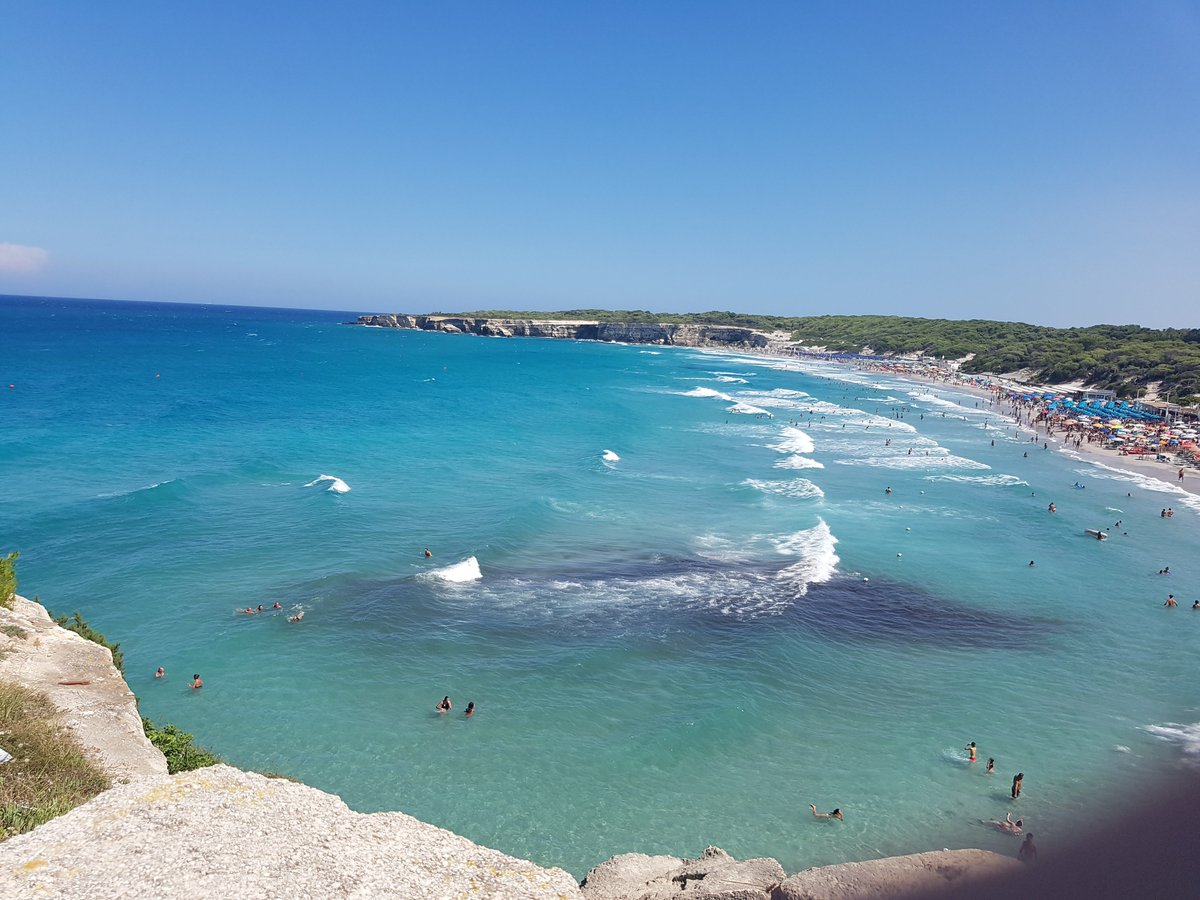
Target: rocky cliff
(79, 678)
(616, 332)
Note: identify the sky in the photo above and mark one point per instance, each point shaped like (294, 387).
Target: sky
(1037, 161)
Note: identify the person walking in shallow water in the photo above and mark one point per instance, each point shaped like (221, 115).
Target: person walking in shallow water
(970, 748)
(445, 706)
(1028, 852)
(196, 682)
(1016, 787)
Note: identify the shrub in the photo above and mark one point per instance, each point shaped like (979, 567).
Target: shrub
(178, 747)
(8, 579)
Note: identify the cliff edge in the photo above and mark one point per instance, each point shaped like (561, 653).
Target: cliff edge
(79, 678)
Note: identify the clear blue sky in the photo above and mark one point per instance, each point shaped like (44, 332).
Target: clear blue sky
(1034, 161)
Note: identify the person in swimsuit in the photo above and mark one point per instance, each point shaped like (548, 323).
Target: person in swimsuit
(470, 709)
(1008, 825)
(428, 553)
(836, 814)
(196, 682)
(1016, 786)
(445, 706)
(276, 605)
(970, 748)
(160, 672)
(1028, 852)
(1171, 601)
(297, 617)
(991, 767)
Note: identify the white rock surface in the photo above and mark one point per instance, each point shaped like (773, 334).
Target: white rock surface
(919, 875)
(223, 833)
(102, 711)
(714, 875)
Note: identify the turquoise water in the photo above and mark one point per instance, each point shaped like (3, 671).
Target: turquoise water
(681, 647)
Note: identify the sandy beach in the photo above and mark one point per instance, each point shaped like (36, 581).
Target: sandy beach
(1166, 472)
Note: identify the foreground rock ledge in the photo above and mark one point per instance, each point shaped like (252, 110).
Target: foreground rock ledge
(716, 875)
(221, 832)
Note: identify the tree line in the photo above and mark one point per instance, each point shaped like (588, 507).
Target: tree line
(1122, 358)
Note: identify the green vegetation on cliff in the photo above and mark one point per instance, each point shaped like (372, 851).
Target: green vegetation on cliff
(1124, 358)
(78, 624)
(179, 747)
(8, 579)
(48, 774)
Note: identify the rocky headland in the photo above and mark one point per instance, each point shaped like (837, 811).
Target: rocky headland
(727, 336)
(220, 832)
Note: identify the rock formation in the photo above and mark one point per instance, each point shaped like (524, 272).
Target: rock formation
(714, 874)
(942, 872)
(618, 332)
(79, 678)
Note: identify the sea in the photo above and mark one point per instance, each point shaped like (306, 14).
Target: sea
(673, 582)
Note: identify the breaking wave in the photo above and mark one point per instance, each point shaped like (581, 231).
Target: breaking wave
(336, 485)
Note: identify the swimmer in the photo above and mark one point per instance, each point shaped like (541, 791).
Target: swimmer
(297, 617)
(836, 814)
(970, 748)
(470, 709)
(249, 610)
(1052, 507)
(1166, 571)
(260, 608)
(888, 489)
(276, 605)
(1018, 779)
(1031, 564)
(197, 683)
(1008, 825)
(445, 706)
(1196, 605)
(991, 767)
(1171, 601)
(428, 553)
(160, 672)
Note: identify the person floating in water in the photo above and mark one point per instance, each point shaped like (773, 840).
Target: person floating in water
(428, 553)
(1018, 779)
(888, 489)
(276, 605)
(1052, 507)
(1031, 564)
(836, 814)
(470, 709)
(197, 683)
(445, 706)
(1008, 825)
(297, 617)
(160, 672)
(1196, 605)
(970, 748)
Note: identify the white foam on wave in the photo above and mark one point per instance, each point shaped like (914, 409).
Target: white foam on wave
(336, 485)
(796, 461)
(793, 440)
(459, 573)
(731, 379)
(651, 352)
(818, 558)
(705, 392)
(745, 409)
(993, 480)
(1139, 479)
(797, 488)
(148, 487)
(1186, 736)
(943, 460)
(609, 456)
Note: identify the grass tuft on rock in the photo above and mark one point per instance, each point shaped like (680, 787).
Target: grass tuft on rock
(49, 773)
